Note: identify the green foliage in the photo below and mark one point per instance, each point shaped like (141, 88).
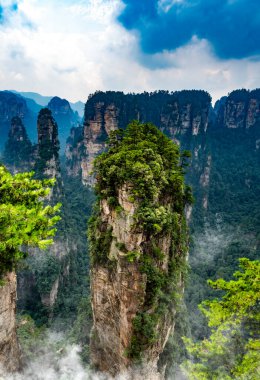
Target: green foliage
(48, 143)
(100, 239)
(46, 273)
(29, 335)
(80, 333)
(232, 350)
(24, 219)
(144, 325)
(146, 159)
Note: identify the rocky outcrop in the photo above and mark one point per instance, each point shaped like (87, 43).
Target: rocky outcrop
(179, 115)
(18, 153)
(136, 259)
(118, 296)
(241, 109)
(10, 357)
(64, 116)
(47, 162)
(75, 152)
(11, 105)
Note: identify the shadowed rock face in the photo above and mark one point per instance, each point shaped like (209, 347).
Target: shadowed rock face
(18, 153)
(10, 358)
(64, 116)
(11, 105)
(47, 163)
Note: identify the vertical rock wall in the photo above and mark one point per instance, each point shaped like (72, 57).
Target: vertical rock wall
(138, 248)
(9, 348)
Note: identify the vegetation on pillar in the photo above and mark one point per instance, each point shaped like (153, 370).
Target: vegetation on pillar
(152, 167)
(232, 350)
(48, 143)
(24, 219)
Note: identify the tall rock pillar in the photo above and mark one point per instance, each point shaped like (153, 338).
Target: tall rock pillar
(138, 247)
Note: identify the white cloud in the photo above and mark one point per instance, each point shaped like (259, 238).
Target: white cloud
(72, 48)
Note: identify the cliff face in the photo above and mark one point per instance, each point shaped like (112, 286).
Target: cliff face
(9, 348)
(75, 152)
(137, 245)
(11, 106)
(64, 116)
(179, 115)
(47, 163)
(18, 153)
(241, 109)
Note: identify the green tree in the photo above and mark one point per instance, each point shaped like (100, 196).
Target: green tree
(24, 218)
(232, 350)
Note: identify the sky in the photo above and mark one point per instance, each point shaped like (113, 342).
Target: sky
(72, 48)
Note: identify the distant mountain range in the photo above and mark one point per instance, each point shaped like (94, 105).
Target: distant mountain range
(42, 100)
(27, 106)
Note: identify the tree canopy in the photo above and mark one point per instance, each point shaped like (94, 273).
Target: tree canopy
(232, 350)
(24, 218)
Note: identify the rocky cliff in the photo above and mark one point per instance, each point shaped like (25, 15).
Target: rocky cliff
(180, 115)
(47, 163)
(64, 116)
(184, 116)
(241, 109)
(18, 152)
(138, 247)
(49, 264)
(14, 105)
(11, 105)
(10, 356)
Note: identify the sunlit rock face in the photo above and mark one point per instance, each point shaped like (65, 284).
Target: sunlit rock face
(241, 109)
(119, 294)
(138, 246)
(10, 357)
(180, 115)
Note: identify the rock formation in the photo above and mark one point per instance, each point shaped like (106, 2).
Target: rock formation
(10, 356)
(18, 153)
(241, 109)
(64, 116)
(75, 152)
(180, 115)
(47, 163)
(138, 247)
(11, 105)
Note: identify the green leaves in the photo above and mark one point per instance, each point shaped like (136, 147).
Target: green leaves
(233, 349)
(24, 219)
(144, 157)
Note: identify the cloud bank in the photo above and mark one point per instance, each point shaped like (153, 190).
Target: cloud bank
(71, 48)
(232, 27)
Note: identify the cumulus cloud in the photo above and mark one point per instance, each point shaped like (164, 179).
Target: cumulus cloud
(71, 48)
(232, 27)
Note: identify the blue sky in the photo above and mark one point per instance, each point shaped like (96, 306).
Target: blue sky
(72, 48)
